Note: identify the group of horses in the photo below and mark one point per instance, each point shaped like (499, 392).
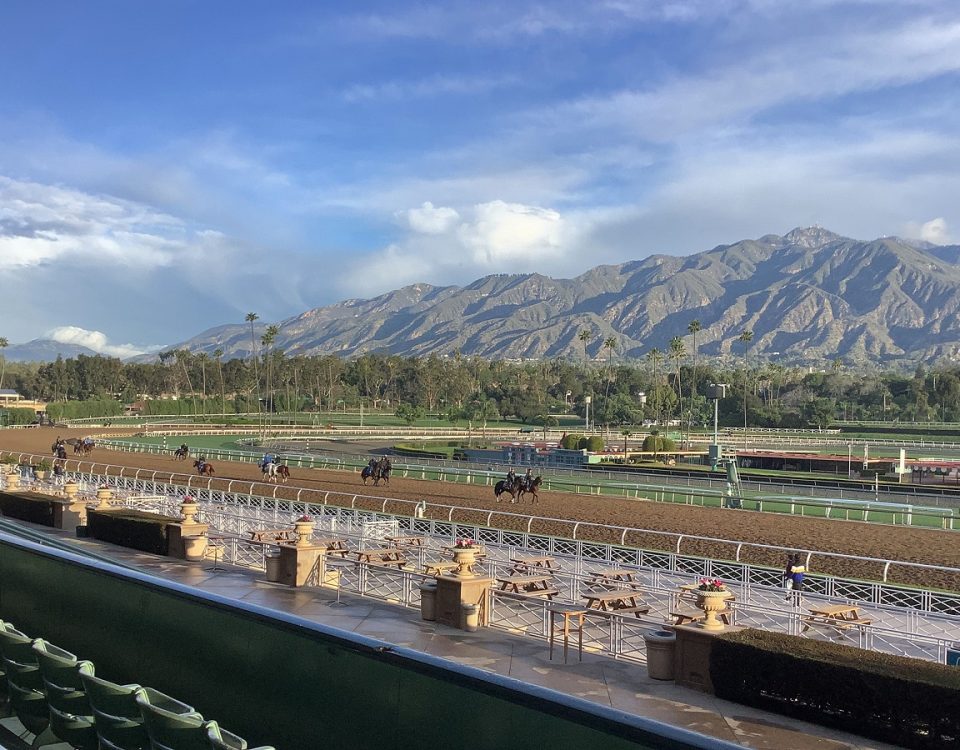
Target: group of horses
(519, 488)
(81, 447)
(377, 470)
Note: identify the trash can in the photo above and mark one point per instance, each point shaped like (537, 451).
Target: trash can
(661, 647)
(428, 600)
(271, 559)
(953, 655)
(470, 617)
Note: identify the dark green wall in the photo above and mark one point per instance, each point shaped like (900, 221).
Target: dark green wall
(286, 681)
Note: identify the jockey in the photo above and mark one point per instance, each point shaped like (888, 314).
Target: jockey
(511, 478)
(268, 458)
(201, 462)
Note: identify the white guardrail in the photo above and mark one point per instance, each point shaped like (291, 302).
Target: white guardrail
(899, 628)
(863, 506)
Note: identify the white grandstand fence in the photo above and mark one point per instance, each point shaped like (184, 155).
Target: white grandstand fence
(443, 524)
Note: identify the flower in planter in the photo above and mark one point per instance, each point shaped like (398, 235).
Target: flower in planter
(711, 584)
(104, 487)
(466, 543)
(305, 519)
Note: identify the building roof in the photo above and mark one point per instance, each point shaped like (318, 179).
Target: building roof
(8, 392)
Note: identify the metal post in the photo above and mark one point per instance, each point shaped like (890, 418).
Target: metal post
(716, 403)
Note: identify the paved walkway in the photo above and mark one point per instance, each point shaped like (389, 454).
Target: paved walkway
(621, 685)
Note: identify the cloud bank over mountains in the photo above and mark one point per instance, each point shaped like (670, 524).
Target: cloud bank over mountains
(349, 152)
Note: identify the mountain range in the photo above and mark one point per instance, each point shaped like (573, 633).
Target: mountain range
(807, 296)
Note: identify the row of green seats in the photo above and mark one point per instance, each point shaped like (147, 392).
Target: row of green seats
(59, 699)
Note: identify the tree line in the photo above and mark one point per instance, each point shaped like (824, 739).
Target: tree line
(664, 387)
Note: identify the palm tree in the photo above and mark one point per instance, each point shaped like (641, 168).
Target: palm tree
(269, 336)
(585, 335)
(610, 344)
(203, 358)
(745, 338)
(655, 356)
(694, 328)
(677, 353)
(251, 319)
(218, 355)
(3, 362)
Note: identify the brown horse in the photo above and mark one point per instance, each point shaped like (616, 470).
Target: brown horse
(529, 488)
(205, 469)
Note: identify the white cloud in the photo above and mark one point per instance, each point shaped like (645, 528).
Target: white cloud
(430, 219)
(503, 233)
(96, 341)
(934, 231)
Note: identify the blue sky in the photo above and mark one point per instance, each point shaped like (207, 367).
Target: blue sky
(166, 167)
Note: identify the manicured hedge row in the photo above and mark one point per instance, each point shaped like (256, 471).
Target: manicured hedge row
(130, 528)
(27, 507)
(894, 699)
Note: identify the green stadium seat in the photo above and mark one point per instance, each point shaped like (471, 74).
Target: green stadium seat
(25, 683)
(71, 718)
(171, 725)
(116, 714)
(221, 739)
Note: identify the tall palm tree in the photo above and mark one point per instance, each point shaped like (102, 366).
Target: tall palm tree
(269, 336)
(655, 356)
(3, 361)
(694, 328)
(251, 318)
(202, 358)
(677, 352)
(745, 338)
(585, 335)
(610, 344)
(218, 355)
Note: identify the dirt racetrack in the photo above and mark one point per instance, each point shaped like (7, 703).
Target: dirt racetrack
(822, 537)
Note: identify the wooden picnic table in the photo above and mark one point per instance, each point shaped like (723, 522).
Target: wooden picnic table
(406, 541)
(272, 536)
(531, 585)
(838, 616)
(334, 546)
(390, 556)
(622, 601)
(523, 563)
(439, 567)
(611, 575)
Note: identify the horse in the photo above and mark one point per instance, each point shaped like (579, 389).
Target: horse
(500, 487)
(181, 453)
(385, 467)
(205, 469)
(269, 471)
(283, 472)
(529, 487)
(366, 473)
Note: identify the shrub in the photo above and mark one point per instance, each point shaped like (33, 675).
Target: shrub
(658, 444)
(594, 444)
(894, 699)
(571, 441)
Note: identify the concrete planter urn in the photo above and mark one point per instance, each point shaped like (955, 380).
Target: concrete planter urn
(41, 474)
(194, 547)
(466, 558)
(13, 480)
(189, 510)
(70, 489)
(304, 532)
(104, 495)
(712, 603)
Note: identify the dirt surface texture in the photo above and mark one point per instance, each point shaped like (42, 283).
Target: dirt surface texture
(655, 525)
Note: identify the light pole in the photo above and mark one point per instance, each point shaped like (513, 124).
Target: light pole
(586, 401)
(849, 460)
(716, 391)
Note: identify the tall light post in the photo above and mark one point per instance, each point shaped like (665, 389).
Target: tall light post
(716, 391)
(586, 401)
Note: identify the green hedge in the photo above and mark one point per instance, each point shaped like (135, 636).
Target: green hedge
(893, 699)
(36, 509)
(130, 528)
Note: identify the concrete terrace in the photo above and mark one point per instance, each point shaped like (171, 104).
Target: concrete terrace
(620, 685)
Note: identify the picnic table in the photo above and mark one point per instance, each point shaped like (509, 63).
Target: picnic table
(389, 556)
(439, 567)
(334, 546)
(622, 601)
(611, 575)
(523, 563)
(840, 617)
(406, 541)
(272, 536)
(531, 585)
